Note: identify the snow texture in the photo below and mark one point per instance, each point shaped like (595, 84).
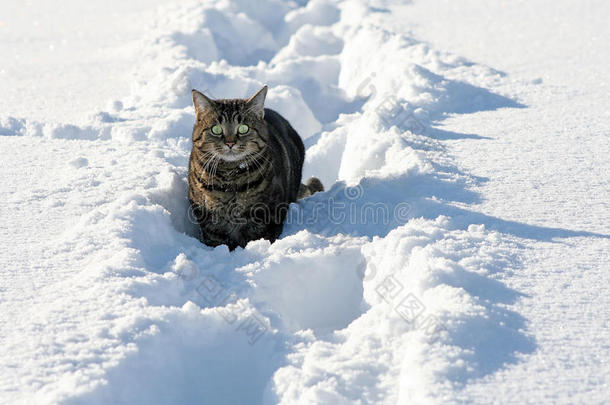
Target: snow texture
(390, 287)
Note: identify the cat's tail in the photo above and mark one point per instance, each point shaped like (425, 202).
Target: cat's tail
(312, 185)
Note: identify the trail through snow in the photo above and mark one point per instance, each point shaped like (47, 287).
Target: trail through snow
(390, 287)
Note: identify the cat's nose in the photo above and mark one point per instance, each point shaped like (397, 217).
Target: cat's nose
(230, 144)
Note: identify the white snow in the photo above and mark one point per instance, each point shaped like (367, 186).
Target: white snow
(459, 254)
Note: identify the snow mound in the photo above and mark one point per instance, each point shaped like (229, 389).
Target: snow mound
(433, 321)
(373, 295)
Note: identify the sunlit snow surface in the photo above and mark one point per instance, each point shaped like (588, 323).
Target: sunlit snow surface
(384, 289)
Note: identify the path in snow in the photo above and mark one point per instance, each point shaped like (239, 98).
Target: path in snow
(389, 287)
(546, 165)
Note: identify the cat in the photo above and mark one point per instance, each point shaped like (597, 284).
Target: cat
(244, 170)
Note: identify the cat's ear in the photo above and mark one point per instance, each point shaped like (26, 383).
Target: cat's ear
(256, 103)
(201, 102)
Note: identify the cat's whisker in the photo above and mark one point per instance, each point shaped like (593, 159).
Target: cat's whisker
(206, 166)
(210, 171)
(259, 167)
(265, 160)
(215, 169)
(248, 163)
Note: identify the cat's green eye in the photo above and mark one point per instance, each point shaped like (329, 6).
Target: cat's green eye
(217, 130)
(243, 129)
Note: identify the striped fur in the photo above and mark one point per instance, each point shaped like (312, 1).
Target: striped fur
(242, 193)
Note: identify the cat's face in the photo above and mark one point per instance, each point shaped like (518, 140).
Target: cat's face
(230, 130)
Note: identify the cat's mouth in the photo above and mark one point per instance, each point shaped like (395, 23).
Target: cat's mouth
(232, 156)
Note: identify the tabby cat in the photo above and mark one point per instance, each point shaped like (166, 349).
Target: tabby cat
(244, 170)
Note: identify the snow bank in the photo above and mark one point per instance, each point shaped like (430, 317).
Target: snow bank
(429, 322)
(371, 296)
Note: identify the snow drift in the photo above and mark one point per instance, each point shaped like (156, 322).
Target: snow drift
(381, 289)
